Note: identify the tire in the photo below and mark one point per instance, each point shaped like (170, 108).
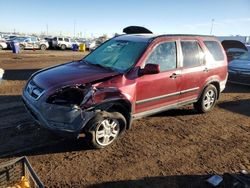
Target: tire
(43, 47)
(1, 48)
(104, 129)
(22, 47)
(207, 99)
(63, 47)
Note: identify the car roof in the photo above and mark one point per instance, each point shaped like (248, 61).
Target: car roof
(150, 37)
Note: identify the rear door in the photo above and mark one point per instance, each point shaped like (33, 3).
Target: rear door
(194, 70)
(157, 91)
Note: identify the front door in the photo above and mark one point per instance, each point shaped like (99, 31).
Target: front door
(157, 91)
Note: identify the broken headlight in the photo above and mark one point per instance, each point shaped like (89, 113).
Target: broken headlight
(68, 96)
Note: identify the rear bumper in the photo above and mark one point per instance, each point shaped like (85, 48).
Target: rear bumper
(223, 84)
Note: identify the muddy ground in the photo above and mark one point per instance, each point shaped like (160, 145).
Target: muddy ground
(177, 148)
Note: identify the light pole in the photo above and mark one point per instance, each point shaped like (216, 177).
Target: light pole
(47, 28)
(212, 25)
(74, 29)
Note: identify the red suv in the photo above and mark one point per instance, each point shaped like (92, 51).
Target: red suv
(127, 77)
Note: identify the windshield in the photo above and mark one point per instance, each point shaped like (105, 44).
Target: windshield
(118, 55)
(245, 56)
(19, 39)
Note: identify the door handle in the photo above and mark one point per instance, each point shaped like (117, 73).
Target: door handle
(175, 75)
(206, 70)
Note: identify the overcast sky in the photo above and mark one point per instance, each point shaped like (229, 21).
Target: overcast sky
(97, 17)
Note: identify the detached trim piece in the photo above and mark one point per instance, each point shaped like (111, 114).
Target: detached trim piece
(166, 96)
(136, 30)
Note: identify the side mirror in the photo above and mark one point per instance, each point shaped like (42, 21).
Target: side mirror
(150, 69)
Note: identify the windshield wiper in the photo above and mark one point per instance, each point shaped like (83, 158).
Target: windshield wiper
(108, 68)
(98, 65)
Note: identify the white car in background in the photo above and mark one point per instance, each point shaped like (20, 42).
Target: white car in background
(3, 44)
(63, 42)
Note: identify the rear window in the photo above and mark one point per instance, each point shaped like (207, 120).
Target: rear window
(215, 49)
(192, 54)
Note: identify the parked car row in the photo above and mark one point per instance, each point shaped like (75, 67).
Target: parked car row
(32, 42)
(29, 42)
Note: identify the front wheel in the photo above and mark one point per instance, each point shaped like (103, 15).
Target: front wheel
(105, 128)
(207, 100)
(43, 47)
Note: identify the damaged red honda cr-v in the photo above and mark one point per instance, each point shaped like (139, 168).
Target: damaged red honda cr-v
(127, 77)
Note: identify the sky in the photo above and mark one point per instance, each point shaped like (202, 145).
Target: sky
(98, 17)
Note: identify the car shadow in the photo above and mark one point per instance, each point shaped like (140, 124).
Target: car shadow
(236, 88)
(180, 181)
(22, 74)
(238, 106)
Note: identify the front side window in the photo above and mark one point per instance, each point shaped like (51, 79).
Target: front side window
(192, 54)
(27, 40)
(118, 55)
(164, 55)
(33, 39)
(60, 39)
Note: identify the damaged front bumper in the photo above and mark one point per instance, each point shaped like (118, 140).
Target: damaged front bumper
(58, 118)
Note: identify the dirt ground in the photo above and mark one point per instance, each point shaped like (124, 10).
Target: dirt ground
(177, 148)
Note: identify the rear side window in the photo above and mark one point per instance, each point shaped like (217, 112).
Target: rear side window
(66, 40)
(215, 49)
(164, 55)
(192, 54)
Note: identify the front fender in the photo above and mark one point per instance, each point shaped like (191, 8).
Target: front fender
(110, 99)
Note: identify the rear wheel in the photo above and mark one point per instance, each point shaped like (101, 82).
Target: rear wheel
(22, 47)
(207, 100)
(63, 47)
(105, 128)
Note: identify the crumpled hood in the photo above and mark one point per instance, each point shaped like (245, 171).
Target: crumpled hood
(71, 73)
(239, 64)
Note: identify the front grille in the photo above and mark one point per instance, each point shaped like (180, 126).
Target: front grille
(34, 90)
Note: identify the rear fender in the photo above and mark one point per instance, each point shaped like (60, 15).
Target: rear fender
(215, 82)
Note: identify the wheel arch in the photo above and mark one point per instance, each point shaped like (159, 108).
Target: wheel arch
(214, 82)
(122, 106)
